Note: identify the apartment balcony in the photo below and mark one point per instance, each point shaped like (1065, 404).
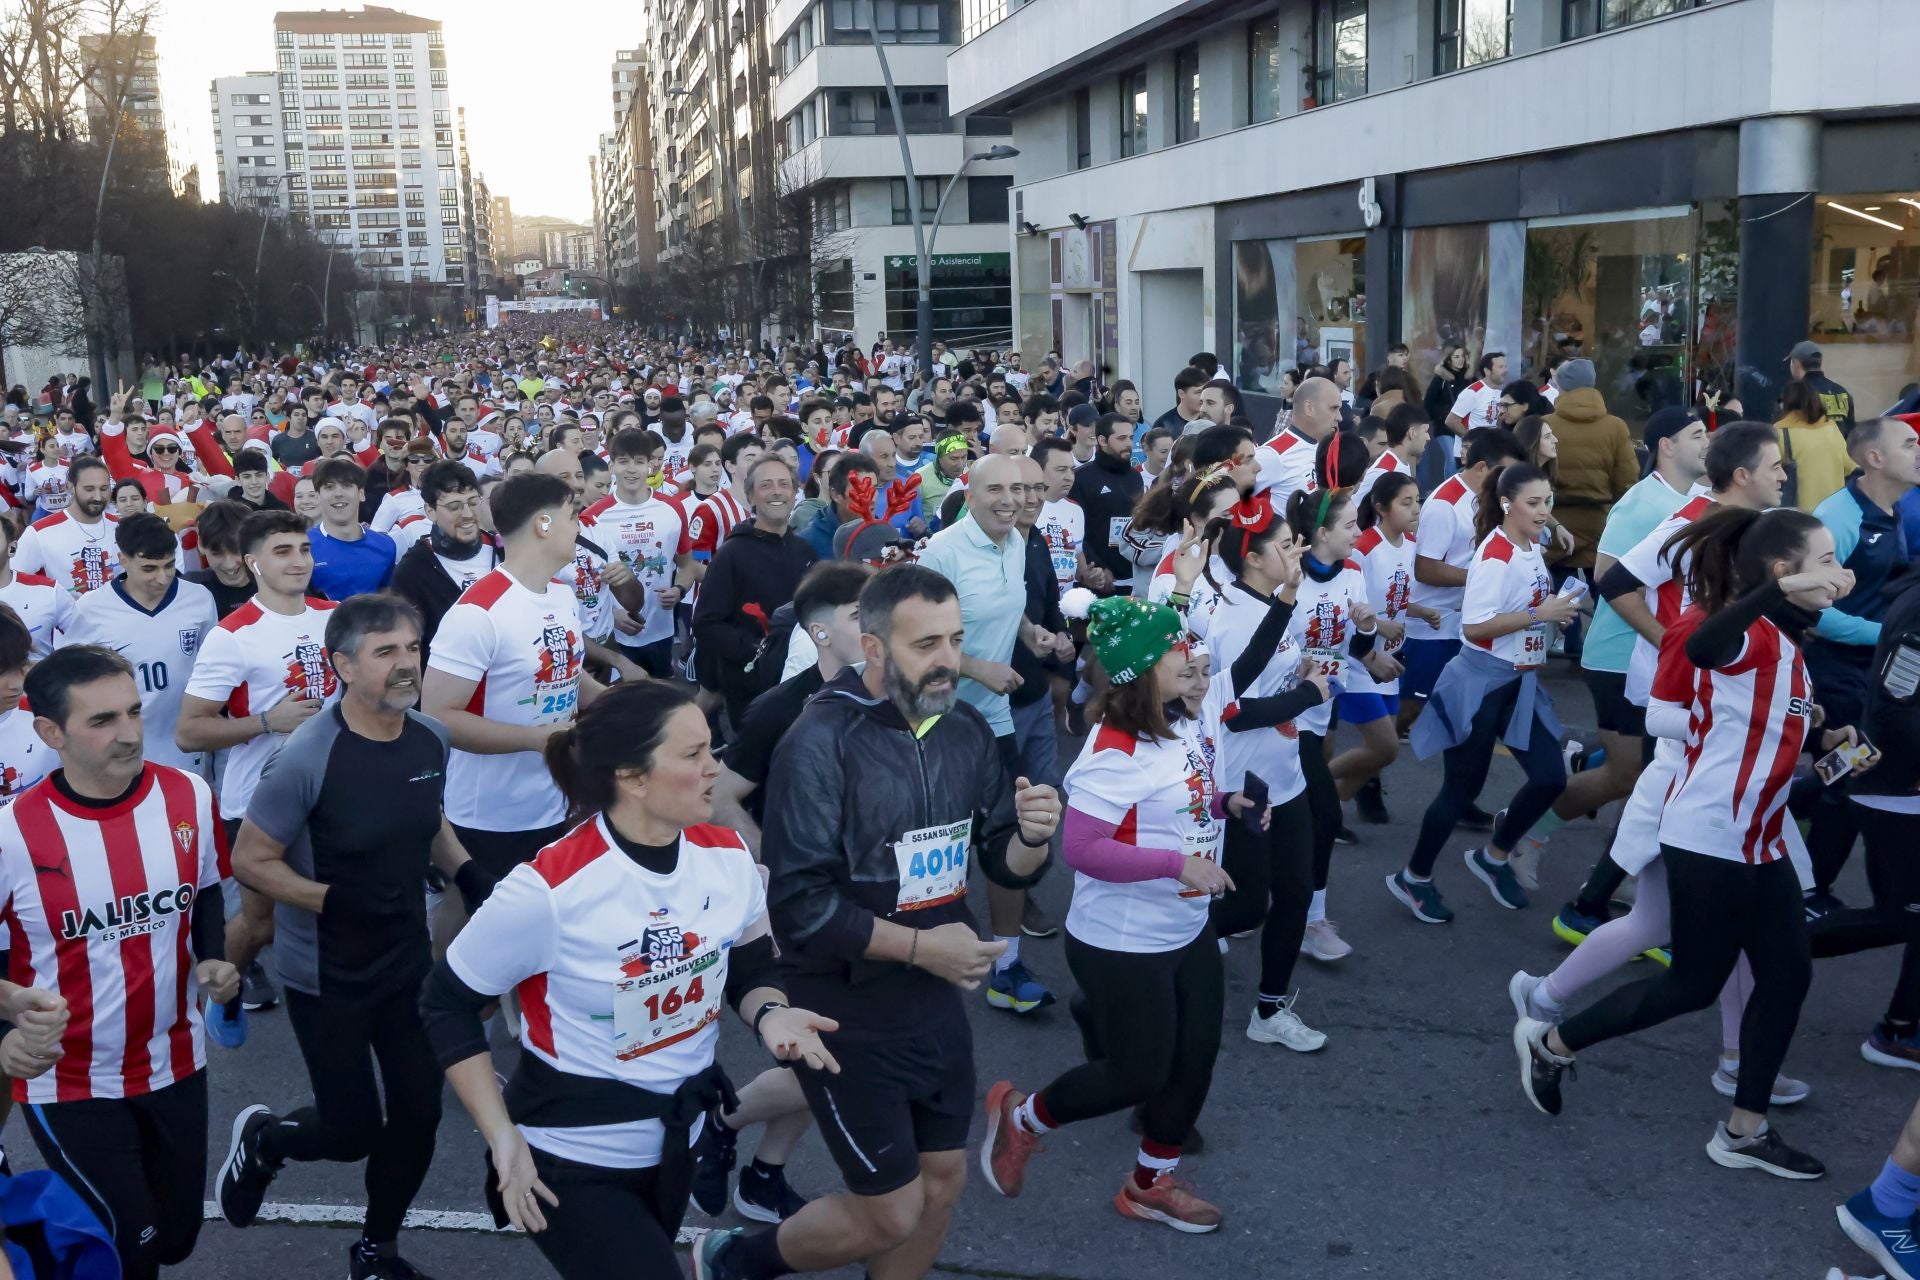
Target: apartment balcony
(837, 158)
(843, 66)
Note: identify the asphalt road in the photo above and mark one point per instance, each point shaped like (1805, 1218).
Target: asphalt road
(1404, 1149)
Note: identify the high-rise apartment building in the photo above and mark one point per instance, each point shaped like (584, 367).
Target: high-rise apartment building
(369, 132)
(623, 175)
(123, 75)
(247, 140)
(505, 248)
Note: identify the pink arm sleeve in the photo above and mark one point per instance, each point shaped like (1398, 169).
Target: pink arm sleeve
(1089, 848)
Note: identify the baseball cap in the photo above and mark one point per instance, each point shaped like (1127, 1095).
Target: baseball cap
(1670, 421)
(1082, 415)
(1805, 353)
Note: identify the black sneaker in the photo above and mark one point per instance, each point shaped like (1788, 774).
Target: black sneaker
(1476, 819)
(1369, 803)
(766, 1197)
(1540, 1071)
(363, 1263)
(256, 989)
(1822, 902)
(246, 1175)
(714, 1157)
(1193, 1146)
(1344, 835)
(1765, 1150)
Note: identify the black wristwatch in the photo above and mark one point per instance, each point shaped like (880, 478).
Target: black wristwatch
(762, 1012)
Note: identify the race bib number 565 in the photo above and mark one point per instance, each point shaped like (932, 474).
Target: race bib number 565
(932, 864)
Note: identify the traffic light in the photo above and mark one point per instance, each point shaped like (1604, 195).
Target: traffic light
(566, 282)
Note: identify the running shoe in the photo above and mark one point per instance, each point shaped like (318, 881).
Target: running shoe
(1322, 941)
(1421, 897)
(1662, 956)
(227, 1024)
(1786, 1090)
(1016, 989)
(1765, 1150)
(1036, 923)
(1540, 1067)
(1344, 835)
(1529, 998)
(1894, 1243)
(365, 1263)
(1370, 804)
(1884, 1049)
(1476, 819)
(1573, 925)
(1008, 1147)
(1524, 862)
(710, 1254)
(714, 1156)
(246, 1175)
(1283, 1026)
(766, 1197)
(1498, 877)
(256, 989)
(1193, 1144)
(1821, 902)
(1168, 1200)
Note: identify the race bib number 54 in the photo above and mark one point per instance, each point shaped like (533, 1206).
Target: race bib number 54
(933, 865)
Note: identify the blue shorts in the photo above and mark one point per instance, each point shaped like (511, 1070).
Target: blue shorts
(1423, 661)
(1365, 708)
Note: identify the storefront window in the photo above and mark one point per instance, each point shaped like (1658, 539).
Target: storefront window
(1616, 290)
(834, 286)
(1262, 275)
(1266, 91)
(1330, 301)
(1866, 292)
(1339, 70)
(1717, 287)
(972, 296)
(1444, 304)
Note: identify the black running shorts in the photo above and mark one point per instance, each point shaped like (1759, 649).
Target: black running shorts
(893, 1100)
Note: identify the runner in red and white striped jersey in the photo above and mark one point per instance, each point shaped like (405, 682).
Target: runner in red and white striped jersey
(102, 870)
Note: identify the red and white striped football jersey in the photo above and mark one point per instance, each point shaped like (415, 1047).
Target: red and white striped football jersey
(97, 907)
(711, 520)
(1747, 724)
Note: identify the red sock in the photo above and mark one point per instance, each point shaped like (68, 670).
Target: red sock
(1155, 1158)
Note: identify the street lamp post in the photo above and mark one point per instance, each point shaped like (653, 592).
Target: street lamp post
(260, 249)
(922, 238)
(95, 339)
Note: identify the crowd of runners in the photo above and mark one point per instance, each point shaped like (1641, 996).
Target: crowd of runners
(512, 710)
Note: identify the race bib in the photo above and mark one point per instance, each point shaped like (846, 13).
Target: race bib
(665, 1006)
(1201, 842)
(1065, 565)
(1529, 647)
(1330, 663)
(1117, 530)
(933, 865)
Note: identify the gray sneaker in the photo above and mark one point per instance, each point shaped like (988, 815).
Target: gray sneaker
(1499, 879)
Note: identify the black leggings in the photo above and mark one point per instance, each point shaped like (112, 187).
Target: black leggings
(1272, 875)
(341, 1039)
(603, 1215)
(1156, 1016)
(1464, 773)
(1720, 909)
(1893, 872)
(139, 1163)
(1323, 799)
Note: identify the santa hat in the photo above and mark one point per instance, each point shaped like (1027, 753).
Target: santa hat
(163, 436)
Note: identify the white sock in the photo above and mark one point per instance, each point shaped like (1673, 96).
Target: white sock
(1317, 911)
(1414, 879)
(1732, 1065)
(1541, 1004)
(1009, 956)
(1024, 1117)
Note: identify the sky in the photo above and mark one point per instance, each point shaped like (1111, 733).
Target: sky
(536, 102)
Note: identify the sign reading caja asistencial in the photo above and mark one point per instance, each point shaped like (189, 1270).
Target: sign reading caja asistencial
(910, 261)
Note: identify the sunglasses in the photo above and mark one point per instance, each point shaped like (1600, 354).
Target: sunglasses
(165, 448)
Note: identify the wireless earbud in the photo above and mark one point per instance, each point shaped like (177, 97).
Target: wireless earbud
(546, 523)
(1506, 506)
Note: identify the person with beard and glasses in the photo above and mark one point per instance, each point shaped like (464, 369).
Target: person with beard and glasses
(342, 881)
(453, 555)
(752, 574)
(984, 555)
(348, 559)
(869, 865)
(1107, 489)
(75, 547)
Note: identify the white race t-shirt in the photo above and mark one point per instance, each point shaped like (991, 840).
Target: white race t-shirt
(524, 649)
(1508, 577)
(42, 605)
(1664, 587)
(1063, 524)
(24, 758)
(1158, 794)
(1388, 572)
(1273, 754)
(1446, 535)
(80, 557)
(1322, 625)
(621, 973)
(1285, 467)
(647, 537)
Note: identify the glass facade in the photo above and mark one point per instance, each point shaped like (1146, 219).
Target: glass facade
(972, 294)
(1866, 293)
(1297, 303)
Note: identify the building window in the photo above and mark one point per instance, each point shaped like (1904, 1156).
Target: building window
(1589, 17)
(898, 21)
(1186, 88)
(1133, 112)
(987, 198)
(1339, 68)
(1082, 128)
(1467, 33)
(929, 198)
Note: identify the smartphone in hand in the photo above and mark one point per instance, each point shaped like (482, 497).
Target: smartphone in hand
(1258, 797)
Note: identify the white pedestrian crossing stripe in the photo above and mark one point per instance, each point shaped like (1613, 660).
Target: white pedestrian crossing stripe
(416, 1220)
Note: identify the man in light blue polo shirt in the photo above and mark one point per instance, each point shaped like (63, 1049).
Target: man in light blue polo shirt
(985, 557)
(1677, 456)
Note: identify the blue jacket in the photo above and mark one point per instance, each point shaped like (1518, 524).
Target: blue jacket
(1869, 543)
(820, 530)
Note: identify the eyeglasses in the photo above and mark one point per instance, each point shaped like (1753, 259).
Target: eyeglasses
(165, 448)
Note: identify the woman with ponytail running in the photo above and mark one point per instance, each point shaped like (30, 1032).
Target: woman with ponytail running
(1732, 666)
(1491, 693)
(1388, 514)
(625, 939)
(1258, 664)
(1334, 626)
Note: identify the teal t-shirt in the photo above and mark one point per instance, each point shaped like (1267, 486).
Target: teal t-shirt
(1609, 642)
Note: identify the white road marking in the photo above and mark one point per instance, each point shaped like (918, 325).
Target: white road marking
(416, 1220)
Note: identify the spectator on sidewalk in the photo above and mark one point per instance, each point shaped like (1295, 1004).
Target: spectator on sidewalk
(1597, 464)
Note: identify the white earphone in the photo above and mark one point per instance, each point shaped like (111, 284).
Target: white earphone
(1505, 506)
(546, 523)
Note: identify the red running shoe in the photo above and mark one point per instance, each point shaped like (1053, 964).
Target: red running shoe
(1171, 1201)
(1004, 1155)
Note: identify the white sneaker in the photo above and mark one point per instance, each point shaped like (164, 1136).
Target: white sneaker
(1525, 862)
(1323, 941)
(1786, 1090)
(1285, 1027)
